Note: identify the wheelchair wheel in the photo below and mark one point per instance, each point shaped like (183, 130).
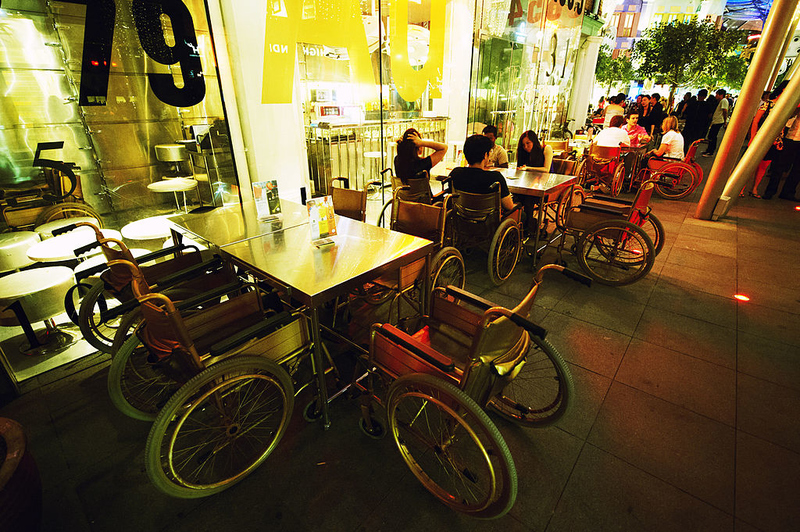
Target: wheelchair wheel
(451, 446)
(655, 230)
(70, 209)
(373, 293)
(385, 217)
(448, 268)
(615, 252)
(137, 388)
(675, 180)
(540, 392)
(218, 427)
(618, 179)
(97, 331)
(580, 172)
(504, 251)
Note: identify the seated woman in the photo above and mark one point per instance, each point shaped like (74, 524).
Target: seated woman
(475, 178)
(672, 141)
(531, 155)
(409, 161)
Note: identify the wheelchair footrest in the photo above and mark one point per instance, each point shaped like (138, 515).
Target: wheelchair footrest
(251, 332)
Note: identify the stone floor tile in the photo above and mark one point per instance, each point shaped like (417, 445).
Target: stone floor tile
(722, 283)
(724, 248)
(687, 335)
(765, 271)
(687, 450)
(767, 484)
(769, 360)
(769, 323)
(769, 411)
(700, 260)
(693, 303)
(771, 295)
(606, 493)
(589, 391)
(603, 310)
(689, 382)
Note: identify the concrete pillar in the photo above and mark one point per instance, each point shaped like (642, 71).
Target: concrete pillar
(758, 74)
(583, 80)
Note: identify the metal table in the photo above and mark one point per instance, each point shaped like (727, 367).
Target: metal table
(236, 223)
(313, 275)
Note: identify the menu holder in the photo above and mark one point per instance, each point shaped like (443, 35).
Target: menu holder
(322, 220)
(268, 203)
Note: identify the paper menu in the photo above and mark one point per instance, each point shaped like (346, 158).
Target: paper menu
(268, 203)
(321, 217)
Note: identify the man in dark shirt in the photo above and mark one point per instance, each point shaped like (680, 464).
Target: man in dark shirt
(474, 178)
(698, 118)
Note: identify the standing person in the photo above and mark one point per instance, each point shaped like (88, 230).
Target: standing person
(696, 115)
(657, 117)
(612, 109)
(787, 162)
(680, 109)
(646, 118)
(498, 158)
(475, 178)
(531, 155)
(409, 161)
(718, 119)
(774, 151)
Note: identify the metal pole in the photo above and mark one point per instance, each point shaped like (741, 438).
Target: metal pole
(758, 74)
(784, 108)
(786, 42)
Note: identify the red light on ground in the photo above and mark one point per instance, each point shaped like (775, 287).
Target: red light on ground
(636, 251)
(95, 63)
(797, 207)
(114, 64)
(741, 297)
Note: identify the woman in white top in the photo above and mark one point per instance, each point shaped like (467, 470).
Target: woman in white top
(671, 142)
(612, 109)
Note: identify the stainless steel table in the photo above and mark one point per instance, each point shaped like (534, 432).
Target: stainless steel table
(313, 276)
(235, 223)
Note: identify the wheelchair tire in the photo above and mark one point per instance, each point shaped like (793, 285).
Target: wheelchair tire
(137, 388)
(100, 334)
(385, 217)
(675, 180)
(617, 180)
(448, 268)
(541, 392)
(457, 453)
(69, 209)
(209, 435)
(504, 251)
(615, 252)
(580, 172)
(127, 326)
(655, 230)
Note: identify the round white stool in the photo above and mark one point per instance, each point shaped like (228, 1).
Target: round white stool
(62, 247)
(151, 228)
(14, 249)
(46, 230)
(179, 184)
(38, 295)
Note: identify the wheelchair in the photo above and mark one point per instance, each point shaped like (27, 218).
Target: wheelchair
(57, 195)
(477, 220)
(468, 355)
(675, 178)
(602, 166)
(446, 265)
(616, 241)
(416, 189)
(216, 380)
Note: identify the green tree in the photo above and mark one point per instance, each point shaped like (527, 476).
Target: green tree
(685, 53)
(610, 72)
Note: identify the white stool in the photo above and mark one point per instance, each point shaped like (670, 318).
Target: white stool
(62, 247)
(38, 295)
(179, 184)
(14, 249)
(152, 228)
(46, 230)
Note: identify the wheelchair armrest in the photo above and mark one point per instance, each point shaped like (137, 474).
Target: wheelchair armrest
(483, 304)
(528, 325)
(608, 199)
(182, 275)
(88, 272)
(517, 207)
(258, 329)
(602, 209)
(419, 349)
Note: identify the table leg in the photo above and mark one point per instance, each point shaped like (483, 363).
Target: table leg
(537, 231)
(318, 367)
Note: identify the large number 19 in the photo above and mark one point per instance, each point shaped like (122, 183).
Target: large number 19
(99, 35)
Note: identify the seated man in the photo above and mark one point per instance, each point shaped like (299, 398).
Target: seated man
(613, 136)
(475, 178)
(637, 134)
(498, 158)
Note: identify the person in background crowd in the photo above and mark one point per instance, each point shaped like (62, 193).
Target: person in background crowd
(718, 119)
(531, 155)
(498, 158)
(613, 136)
(475, 178)
(658, 115)
(636, 133)
(671, 141)
(698, 117)
(612, 109)
(787, 162)
(774, 151)
(622, 101)
(680, 109)
(646, 116)
(602, 102)
(409, 161)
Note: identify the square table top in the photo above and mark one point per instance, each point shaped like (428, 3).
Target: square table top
(527, 182)
(235, 223)
(314, 275)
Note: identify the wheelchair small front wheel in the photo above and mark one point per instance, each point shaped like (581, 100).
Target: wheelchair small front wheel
(451, 446)
(219, 427)
(504, 251)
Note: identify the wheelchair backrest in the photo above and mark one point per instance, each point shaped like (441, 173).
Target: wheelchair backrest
(417, 189)
(603, 153)
(692, 151)
(477, 207)
(418, 219)
(557, 145)
(350, 203)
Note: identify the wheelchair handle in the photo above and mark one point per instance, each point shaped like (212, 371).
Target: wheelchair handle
(483, 304)
(84, 249)
(528, 325)
(65, 229)
(577, 276)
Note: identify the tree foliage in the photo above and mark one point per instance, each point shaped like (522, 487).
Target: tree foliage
(684, 53)
(610, 72)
